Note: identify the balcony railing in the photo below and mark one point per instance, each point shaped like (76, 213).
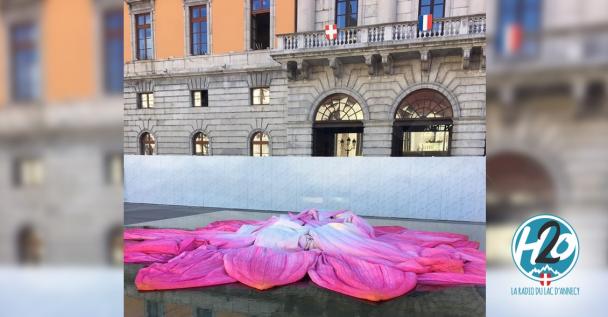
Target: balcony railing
(401, 32)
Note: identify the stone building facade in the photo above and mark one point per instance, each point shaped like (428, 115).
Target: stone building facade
(547, 115)
(60, 133)
(375, 64)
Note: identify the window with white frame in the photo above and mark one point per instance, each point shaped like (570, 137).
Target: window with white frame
(28, 172)
(260, 96)
(198, 29)
(145, 100)
(143, 36)
(200, 98)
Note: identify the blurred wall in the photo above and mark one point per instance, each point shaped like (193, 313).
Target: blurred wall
(68, 61)
(3, 63)
(548, 106)
(61, 152)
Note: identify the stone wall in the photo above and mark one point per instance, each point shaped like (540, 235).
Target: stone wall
(230, 118)
(75, 208)
(380, 95)
(228, 121)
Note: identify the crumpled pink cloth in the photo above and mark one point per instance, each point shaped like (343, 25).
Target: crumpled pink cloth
(338, 250)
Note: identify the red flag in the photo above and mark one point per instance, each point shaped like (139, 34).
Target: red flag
(513, 38)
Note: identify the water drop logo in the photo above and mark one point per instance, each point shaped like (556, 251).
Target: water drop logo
(545, 248)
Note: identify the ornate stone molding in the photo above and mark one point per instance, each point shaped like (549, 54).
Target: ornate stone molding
(466, 57)
(425, 60)
(336, 66)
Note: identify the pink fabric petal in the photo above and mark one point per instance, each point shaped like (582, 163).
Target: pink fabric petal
(349, 239)
(348, 255)
(263, 268)
(159, 250)
(228, 240)
(157, 233)
(201, 267)
(380, 230)
(358, 278)
(229, 225)
(451, 279)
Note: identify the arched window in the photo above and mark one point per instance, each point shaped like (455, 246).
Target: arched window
(147, 144)
(260, 145)
(29, 246)
(517, 184)
(339, 107)
(423, 125)
(338, 127)
(200, 144)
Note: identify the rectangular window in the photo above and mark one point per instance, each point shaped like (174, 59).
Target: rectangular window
(24, 62)
(113, 167)
(431, 140)
(346, 13)
(200, 98)
(28, 172)
(260, 96)
(347, 144)
(260, 5)
(434, 7)
(143, 35)
(260, 24)
(113, 50)
(145, 100)
(198, 30)
(519, 25)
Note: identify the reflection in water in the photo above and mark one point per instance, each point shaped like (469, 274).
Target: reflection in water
(298, 299)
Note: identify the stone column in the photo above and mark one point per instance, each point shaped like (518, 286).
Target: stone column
(387, 11)
(306, 11)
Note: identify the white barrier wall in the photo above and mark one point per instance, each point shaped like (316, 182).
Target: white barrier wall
(446, 188)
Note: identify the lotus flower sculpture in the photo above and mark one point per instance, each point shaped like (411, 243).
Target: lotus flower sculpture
(338, 250)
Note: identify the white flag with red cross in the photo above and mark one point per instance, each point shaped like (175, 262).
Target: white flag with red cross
(545, 279)
(331, 32)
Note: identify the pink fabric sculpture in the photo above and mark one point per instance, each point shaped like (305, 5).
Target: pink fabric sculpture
(338, 250)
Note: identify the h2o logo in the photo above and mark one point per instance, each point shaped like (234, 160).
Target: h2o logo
(545, 248)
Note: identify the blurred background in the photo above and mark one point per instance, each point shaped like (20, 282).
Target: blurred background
(61, 149)
(61, 68)
(547, 151)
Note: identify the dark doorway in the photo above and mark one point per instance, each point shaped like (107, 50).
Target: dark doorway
(421, 138)
(260, 24)
(29, 246)
(336, 140)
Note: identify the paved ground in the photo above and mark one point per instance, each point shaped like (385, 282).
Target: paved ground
(138, 213)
